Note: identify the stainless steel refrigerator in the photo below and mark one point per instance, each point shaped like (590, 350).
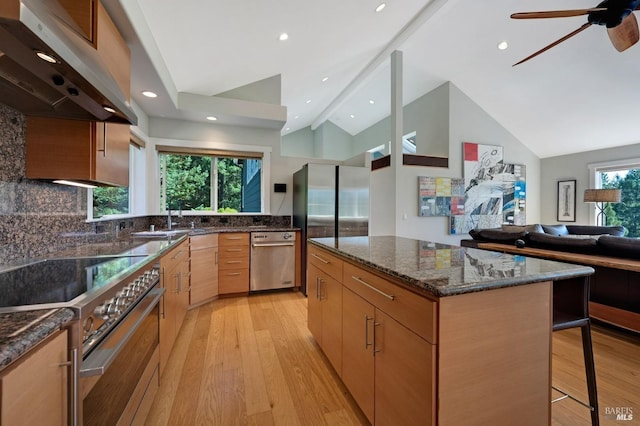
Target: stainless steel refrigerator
(330, 201)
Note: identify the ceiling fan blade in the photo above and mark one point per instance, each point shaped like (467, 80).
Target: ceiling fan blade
(624, 35)
(555, 43)
(556, 13)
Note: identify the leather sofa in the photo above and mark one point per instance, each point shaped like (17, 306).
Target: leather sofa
(615, 286)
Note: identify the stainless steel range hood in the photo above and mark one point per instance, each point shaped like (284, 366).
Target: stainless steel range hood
(78, 86)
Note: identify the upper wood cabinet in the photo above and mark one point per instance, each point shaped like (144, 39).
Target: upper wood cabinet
(81, 150)
(78, 150)
(92, 21)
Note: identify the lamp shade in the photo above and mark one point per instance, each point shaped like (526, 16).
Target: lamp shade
(602, 195)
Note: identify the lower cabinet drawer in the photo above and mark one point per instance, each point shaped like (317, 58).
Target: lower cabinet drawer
(233, 281)
(415, 312)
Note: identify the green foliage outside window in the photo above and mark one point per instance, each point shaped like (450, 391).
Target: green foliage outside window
(110, 200)
(627, 212)
(190, 180)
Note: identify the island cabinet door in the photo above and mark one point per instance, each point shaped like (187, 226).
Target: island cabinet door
(405, 375)
(325, 314)
(357, 350)
(314, 308)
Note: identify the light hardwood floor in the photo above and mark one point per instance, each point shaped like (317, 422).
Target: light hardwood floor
(251, 360)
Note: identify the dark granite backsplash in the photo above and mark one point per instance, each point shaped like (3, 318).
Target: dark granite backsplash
(37, 218)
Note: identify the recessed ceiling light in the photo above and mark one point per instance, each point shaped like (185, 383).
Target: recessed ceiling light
(352, 116)
(308, 101)
(371, 101)
(296, 117)
(288, 128)
(108, 109)
(283, 36)
(503, 45)
(380, 7)
(325, 79)
(212, 118)
(149, 94)
(46, 57)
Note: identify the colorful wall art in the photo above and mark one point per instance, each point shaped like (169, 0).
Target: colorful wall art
(494, 191)
(439, 196)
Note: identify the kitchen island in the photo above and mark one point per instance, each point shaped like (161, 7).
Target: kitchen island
(427, 333)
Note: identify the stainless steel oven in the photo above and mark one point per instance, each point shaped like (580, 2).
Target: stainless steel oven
(114, 335)
(119, 377)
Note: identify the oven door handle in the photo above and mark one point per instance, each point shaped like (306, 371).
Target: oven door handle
(103, 355)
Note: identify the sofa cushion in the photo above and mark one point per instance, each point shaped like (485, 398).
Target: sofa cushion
(555, 229)
(561, 243)
(496, 235)
(617, 231)
(520, 228)
(619, 246)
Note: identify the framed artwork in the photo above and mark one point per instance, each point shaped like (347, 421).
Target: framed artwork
(566, 201)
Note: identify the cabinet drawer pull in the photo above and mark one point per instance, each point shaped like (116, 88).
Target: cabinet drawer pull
(366, 331)
(216, 257)
(233, 261)
(232, 238)
(233, 249)
(326, 262)
(233, 273)
(388, 296)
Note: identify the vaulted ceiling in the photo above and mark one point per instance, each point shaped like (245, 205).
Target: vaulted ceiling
(579, 96)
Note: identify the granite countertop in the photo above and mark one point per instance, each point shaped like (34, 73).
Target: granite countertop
(443, 270)
(21, 331)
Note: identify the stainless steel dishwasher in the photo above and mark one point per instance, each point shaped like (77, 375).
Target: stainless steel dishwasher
(273, 260)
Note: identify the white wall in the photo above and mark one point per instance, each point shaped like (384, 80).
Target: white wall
(468, 123)
(575, 166)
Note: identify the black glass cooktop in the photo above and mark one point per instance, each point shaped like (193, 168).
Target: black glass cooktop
(60, 280)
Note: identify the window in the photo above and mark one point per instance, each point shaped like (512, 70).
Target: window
(625, 176)
(114, 201)
(197, 182)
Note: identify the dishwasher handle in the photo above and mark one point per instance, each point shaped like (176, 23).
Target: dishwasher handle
(274, 244)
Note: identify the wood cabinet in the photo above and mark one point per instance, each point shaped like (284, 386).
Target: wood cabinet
(412, 359)
(174, 277)
(92, 21)
(324, 313)
(233, 262)
(35, 390)
(358, 317)
(204, 268)
(388, 368)
(77, 150)
(85, 151)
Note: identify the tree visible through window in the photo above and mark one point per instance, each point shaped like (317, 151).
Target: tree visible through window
(627, 212)
(110, 201)
(208, 183)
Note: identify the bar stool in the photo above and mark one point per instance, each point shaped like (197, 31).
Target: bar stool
(570, 310)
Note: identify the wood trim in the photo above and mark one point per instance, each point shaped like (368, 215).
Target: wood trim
(616, 316)
(583, 259)
(168, 149)
(381, 163)
(137, 141)
(424, 160)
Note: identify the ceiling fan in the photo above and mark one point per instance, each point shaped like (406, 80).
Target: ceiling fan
(616, 15)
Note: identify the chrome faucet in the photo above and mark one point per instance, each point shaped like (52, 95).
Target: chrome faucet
(170, 222)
